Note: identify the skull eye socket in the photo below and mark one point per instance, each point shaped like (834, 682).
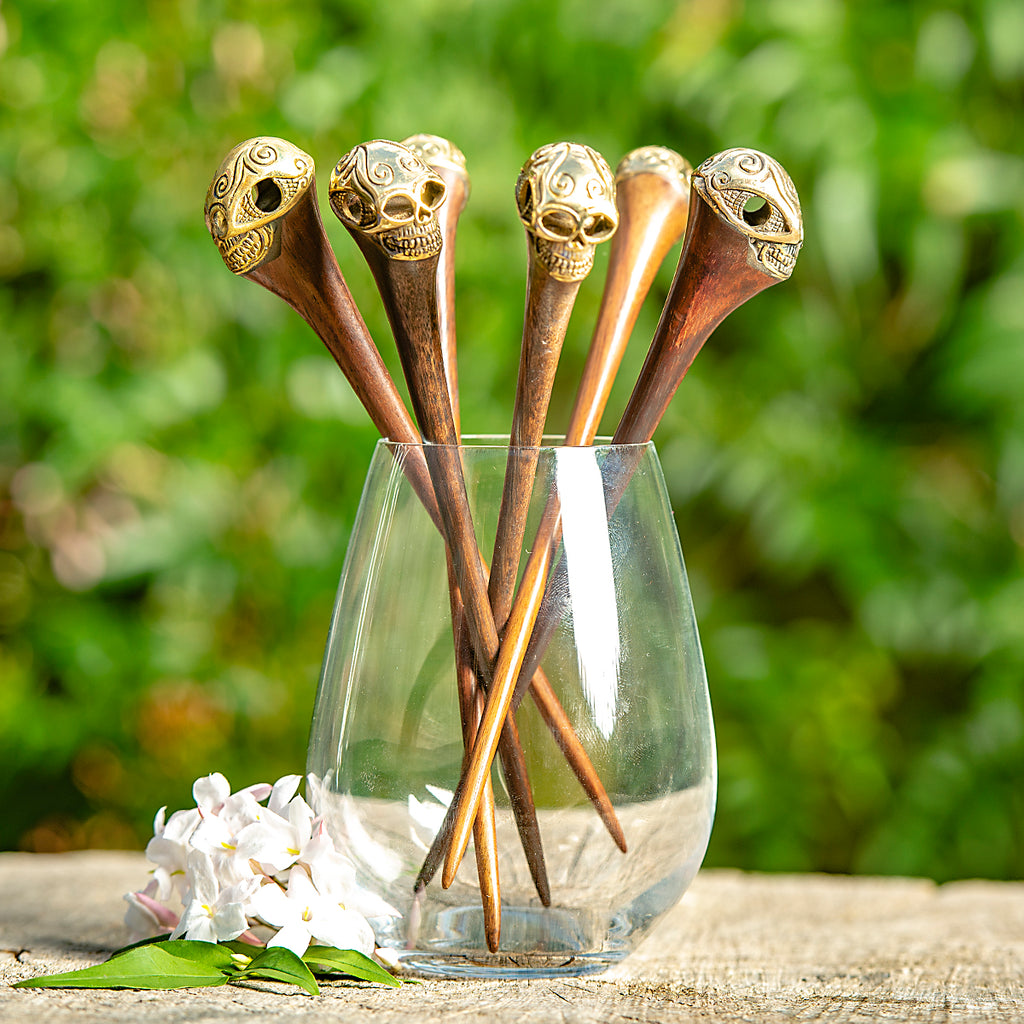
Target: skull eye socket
(219, 223)
(598, 227)
(559, 224)
(756, 211)
(524, 200)
(350, 207)
(266, 195)
(432, 193)
(399, 208)
(762, 215)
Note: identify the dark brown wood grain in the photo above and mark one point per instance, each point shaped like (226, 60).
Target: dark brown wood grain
(653, 212)
(715, 275)
(448, 213)
(549, 305)
(306, 275)
(407, 291)
(653, 209)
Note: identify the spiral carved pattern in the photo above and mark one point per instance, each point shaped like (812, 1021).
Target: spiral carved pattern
(666, 163)
(385, 192)
(244, 231)
(730, 181)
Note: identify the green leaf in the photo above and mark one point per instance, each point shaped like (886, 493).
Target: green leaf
(145, 967)
(280, 964)
(198, 952)
(245, 948)
(350, 962)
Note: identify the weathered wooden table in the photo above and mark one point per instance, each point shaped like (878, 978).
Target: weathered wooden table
(739, 947)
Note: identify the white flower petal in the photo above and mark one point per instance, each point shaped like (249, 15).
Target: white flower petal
(301, 888)
(181, 824)
(270, 842)
(284, 789)
(229, 922)
(270, 904)
(139, 919)
(300, 817)
(258, 790)
(294, 936)
(342, 928)
(210, 792)
(201, 876)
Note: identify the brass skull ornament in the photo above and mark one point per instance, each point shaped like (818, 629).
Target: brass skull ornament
(386, 193)
(655, 160)
(566, 199)
(731, 182)
(258, 182)
(436, 151)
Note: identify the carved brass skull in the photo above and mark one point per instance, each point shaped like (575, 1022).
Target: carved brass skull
(256, 185)
(566, 199)
(435, 151)
(385, 192)
(732, 182)
(655, 160)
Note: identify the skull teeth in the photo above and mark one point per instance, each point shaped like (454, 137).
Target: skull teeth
(413, 241)
(778, 259)
(563, 263)
(246, 252)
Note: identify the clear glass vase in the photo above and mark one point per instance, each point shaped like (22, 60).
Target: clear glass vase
(624, 659)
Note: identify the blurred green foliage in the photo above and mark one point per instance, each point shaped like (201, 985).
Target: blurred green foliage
(180, 463)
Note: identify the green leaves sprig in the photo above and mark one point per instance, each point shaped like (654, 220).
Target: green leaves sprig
(189, 963)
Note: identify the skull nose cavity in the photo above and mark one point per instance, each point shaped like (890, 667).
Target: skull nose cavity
(432, 193)
(597, 228)
(266, 195)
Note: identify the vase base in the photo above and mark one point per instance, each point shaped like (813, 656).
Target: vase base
(505, 965)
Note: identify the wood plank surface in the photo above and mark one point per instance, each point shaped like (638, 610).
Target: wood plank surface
(739, 947)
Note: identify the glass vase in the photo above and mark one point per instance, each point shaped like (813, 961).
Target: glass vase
(623, 657)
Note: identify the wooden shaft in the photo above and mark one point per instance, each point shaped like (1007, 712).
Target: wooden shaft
(713, 278)
(448, 218)
(653, 211)
(406, 288)
(306, 275)
(510, 658)
(471, 700)
(549, 304)
(448, 162)
(719, 269)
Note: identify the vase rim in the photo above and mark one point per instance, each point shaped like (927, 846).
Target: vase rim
(501, 441)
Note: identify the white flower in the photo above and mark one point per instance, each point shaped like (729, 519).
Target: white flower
(168, 849)
(277, 842)
(213, 797)
(335, 876)
(145, 916)
(303, 914)
(213, 914)
(284, 789)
